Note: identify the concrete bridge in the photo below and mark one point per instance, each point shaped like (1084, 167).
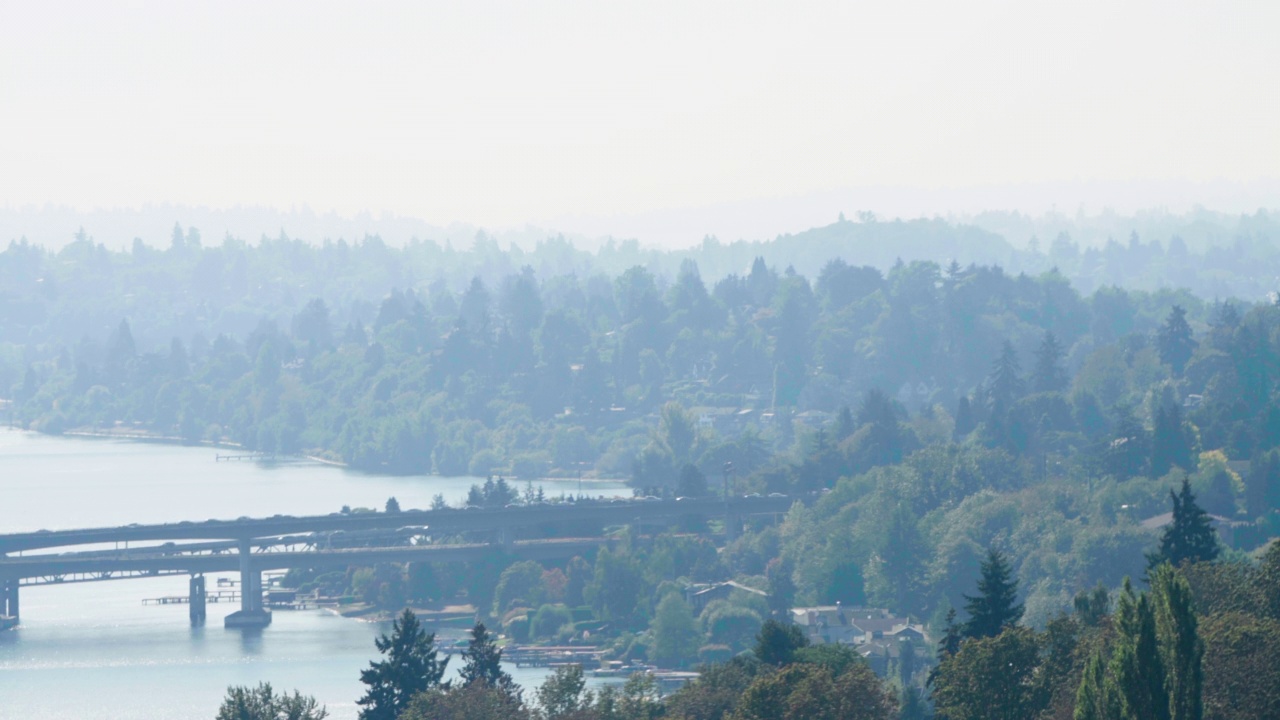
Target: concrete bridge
(229, 545)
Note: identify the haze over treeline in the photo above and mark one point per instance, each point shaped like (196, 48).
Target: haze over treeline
(185, 281)
(53, 226)
(948, 411)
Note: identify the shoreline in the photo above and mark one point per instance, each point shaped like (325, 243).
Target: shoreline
(153, 439)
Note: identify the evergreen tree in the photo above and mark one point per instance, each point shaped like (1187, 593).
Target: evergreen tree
(884, 444)
(1170, 444)
(409, 667)
(777, 642)
(1048, 375)
(995, 606)
(1174, 341)
(1262, 488)
(121, 353)
(1089, 697)
(1127, 454)
(1136, 680)
(1181, 649)
(1189, 537)
(965, 421)
(1005, 384)
(952, 636)
(482, 663)
(692, 482)
(844, 424)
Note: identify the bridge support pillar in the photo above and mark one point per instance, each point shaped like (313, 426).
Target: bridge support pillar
(196, 600)
(732, 527)
(251, 614)
(9, 603)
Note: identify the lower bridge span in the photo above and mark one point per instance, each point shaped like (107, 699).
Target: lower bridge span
(48, 569)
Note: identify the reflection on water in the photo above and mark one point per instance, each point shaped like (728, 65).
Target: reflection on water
(92, 650)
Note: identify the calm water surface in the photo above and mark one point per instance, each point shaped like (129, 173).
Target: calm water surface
(93, 650)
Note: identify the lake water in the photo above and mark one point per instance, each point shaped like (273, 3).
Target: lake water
(93, 650)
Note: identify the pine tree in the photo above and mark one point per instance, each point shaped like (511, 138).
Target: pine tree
(1170, 446)
(1048, 375)
(995, 606)
(951, 636)
(949, 645)
(965, 421)
(410, 666)
(1189, 537)
(1174, 341)
(884, 443)
(1005, 384)
(482, 662)
(844, 424)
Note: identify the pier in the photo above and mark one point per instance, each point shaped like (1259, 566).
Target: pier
(552, 656)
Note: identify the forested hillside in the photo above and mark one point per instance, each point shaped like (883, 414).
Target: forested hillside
(346, 350)
(960, 403)
(941, 424)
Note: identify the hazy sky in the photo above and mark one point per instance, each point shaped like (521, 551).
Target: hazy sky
(504, 113)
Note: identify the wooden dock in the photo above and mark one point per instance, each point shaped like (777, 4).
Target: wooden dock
(215, 596)
(245, 456)
(552, 656)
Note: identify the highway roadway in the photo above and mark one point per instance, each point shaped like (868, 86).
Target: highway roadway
(135, 564)
(439, 522)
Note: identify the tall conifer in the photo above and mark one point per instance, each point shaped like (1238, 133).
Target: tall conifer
(1189, 537)
(995, 607)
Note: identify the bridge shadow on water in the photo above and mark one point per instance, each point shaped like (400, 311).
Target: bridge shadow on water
(250, 640)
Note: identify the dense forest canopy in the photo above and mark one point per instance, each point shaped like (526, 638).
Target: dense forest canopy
(947, 424)
(270, 345)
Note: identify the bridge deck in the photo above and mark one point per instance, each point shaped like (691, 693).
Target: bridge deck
(439, 521)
